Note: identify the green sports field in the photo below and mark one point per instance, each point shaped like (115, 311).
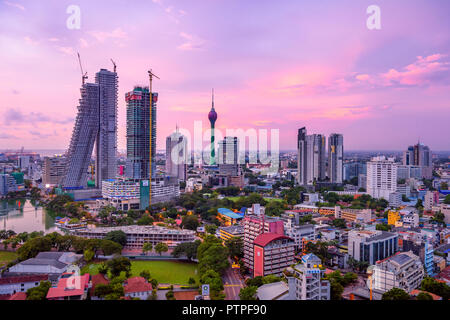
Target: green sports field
(6, 257)
(172, 272)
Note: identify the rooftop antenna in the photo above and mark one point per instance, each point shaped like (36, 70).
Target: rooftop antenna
(213, 98)
(114, 64)
(83, 74)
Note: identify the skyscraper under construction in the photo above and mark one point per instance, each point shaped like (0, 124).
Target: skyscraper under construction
(138, 133)
(96, 122)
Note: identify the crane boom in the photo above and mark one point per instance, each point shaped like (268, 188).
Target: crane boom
(114, 64)
(83, 74)
(151, 75)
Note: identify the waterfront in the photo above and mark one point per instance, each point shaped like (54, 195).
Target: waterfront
(25, 216)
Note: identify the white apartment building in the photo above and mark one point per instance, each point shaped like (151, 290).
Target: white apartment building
(404, 271)
(307, 280)
(381, 177)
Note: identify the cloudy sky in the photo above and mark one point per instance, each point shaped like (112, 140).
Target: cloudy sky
(274, 65)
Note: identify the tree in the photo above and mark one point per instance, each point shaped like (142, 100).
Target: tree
(88, 255)
(189, 249)
(211, 228)
(248, 293)
(147, 247)
(235, 247)
(190, 222)
(118, 264)
(275, 208)
(39, 292)
(33, 246)
(212, 255)
(395, 294)
(383, 227)
(191, 281)
(145, 220)
(109, 247)
(117, 236)
(145, 274)
(339, 223)
(214, 280)
(424, 296)
(447, 199)
(336, 290)
(161, 247)
(431, 285)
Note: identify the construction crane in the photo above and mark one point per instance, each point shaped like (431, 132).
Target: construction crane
(83, 74)
(114, 64)
(150, 75)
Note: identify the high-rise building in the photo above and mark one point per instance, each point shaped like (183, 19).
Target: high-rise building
(24, 162)
(84, 134)
(106, 142)
(53, 170)
(335, 157)
(228, 158)
(315, 163)
(419, 155)
(254, 225)
(273, 253)
(96, 122)
(310, 157)
(381, 177)
(138, 133)
(176, 156)
(212, 117)
(301, 156)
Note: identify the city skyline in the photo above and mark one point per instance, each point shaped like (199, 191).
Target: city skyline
(322, 68)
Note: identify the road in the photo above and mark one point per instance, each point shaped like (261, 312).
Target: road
(232, 282)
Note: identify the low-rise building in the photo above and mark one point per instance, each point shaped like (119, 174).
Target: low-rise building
(12, 285)
(138, 235)
(226, 233)
(70, 288)
(353, 215)
(137, 287)
(404, 270)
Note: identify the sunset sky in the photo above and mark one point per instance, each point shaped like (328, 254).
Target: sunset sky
(273, 64)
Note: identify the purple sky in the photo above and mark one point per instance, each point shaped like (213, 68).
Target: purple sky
(273, 64)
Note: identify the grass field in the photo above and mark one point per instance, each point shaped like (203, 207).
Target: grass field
(6, 257)
(172, 272)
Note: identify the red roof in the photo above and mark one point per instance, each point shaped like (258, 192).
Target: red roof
(62, 289)
(265, 238)
(98, 279)
(19, 296)
(137, 284)
(415, 292)
(23, 279)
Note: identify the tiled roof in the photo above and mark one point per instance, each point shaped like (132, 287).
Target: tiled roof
(415, 292)
(23, 279)
(19, 296)
(265, 238)
(137, 284)
(97, 279)
(62, 291)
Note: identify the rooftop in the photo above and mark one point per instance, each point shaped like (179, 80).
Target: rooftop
(137, 229)
(265, 238)
(137, 284)
(272, 291)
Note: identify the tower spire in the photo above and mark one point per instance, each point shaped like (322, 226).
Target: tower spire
(212, 99)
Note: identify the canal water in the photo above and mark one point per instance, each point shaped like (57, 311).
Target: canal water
(25, 216)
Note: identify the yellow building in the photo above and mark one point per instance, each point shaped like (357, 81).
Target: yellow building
(393, 217)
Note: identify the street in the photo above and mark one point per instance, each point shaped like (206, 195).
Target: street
(232, 283)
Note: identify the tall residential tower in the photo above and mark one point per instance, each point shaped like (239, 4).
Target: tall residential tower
(335, 157)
